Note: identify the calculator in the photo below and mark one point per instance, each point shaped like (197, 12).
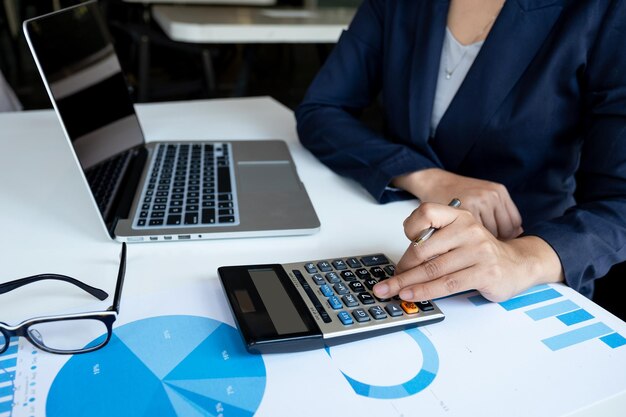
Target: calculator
(313, 304)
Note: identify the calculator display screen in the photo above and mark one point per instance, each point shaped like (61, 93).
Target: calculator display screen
(270, 313)
(279, 306)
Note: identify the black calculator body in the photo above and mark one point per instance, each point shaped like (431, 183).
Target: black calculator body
(308, 305)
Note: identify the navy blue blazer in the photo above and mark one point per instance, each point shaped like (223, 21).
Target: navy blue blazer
(542, 111)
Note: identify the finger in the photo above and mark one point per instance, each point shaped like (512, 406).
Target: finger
(489, 221)
(463, 280)
(432, 269)
(514, 214)
(504, 225)
(429, 215)
(429, 270)
(444, 240)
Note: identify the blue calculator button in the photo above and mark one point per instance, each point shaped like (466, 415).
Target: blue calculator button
(345, 318)
(334, 302)
(326, 290)
(310, 268)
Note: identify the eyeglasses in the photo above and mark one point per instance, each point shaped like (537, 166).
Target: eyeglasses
(70, 333)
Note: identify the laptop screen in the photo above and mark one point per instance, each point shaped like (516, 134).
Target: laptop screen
(84, 78)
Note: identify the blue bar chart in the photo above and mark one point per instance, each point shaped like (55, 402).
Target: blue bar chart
(568, 313)
(8, 363)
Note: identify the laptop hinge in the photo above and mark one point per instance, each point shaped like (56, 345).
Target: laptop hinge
(128, 189)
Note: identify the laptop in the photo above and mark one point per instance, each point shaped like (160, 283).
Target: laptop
(158, 191)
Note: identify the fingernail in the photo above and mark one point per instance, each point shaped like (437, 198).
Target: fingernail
(406, 294)
(381, 289)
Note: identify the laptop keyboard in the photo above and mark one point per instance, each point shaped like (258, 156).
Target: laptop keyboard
(189, 185)
(104, 179)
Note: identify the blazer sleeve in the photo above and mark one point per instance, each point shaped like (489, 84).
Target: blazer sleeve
(591, 236)
(328, 118)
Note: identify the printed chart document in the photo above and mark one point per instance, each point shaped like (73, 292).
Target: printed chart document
(547, 352)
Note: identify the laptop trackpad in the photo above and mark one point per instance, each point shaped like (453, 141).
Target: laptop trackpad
(254, 177)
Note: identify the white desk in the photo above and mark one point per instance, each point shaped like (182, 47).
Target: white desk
(202, 24)
(48, 225)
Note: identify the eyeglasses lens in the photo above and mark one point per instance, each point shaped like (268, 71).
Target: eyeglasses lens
(69, 335)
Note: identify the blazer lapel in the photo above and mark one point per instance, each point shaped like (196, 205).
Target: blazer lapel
(517, 34)
(430, 29)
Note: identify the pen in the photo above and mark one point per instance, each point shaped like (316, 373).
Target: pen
(427, 233)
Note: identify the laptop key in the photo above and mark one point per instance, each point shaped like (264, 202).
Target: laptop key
(173, 220)
(191, 218)
(223, 180)
(208, 216)
(227, 219)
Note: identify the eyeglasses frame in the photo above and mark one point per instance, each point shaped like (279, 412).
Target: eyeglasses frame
(107, 317)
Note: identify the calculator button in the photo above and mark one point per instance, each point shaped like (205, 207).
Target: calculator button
(360, 315)
(374, 260)
(317, 278)
(425, 305)
(340, 288)
(348, 275)
(350, 301)
(332, 277)
(334, 302)
(393, 309)
(310, 268)
(390, 270)
(326, 290)
(366, 298)
(362, 273)
(369, 283)
(353, 262)
(409, 307)
(356, 286)
(344, 318)
(377, 312)
(324, 266)
(339, 265)
(377, 271)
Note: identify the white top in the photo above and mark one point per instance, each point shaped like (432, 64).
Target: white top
(456, 60)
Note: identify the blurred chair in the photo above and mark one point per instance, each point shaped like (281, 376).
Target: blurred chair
(8, 99)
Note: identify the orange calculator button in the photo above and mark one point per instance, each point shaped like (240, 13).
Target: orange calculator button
(409, 307)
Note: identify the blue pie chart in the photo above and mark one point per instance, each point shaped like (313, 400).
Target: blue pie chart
(162, 366)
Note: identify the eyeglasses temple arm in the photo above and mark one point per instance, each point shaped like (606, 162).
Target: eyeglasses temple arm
(120, 280)
(11, 285)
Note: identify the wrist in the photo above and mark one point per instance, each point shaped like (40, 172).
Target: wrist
(417, 183)
(540, 263)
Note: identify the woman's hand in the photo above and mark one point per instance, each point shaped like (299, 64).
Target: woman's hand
(463, 255)
(489, 202)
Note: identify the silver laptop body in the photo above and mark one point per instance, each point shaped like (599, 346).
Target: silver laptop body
(157, 191)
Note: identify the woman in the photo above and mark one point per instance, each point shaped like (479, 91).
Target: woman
(510, 107)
